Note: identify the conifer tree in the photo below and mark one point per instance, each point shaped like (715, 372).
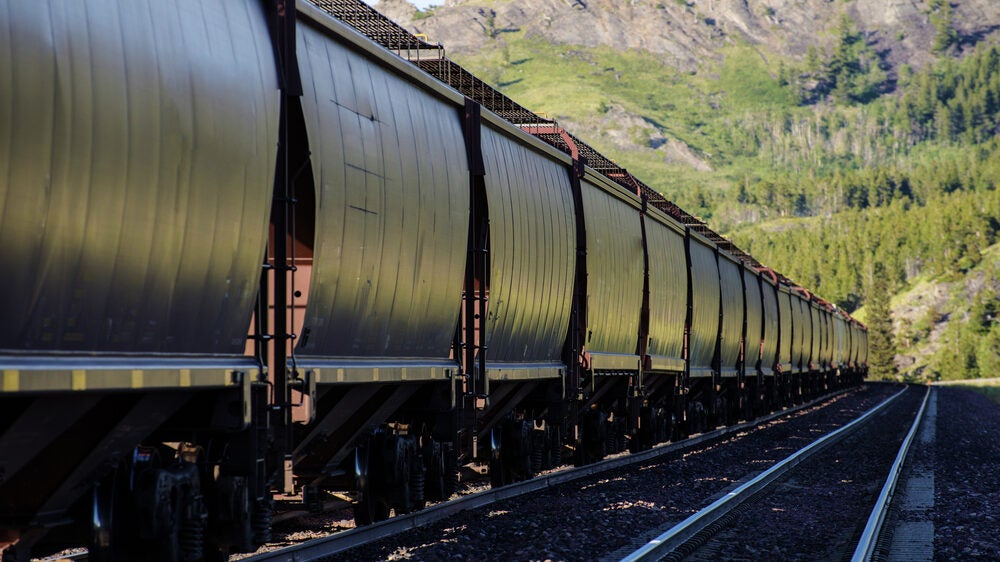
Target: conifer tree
(941, 17)
(988, 353)
(880, 338)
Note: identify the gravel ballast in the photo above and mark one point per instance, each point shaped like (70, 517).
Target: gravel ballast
(967, 477)
(819, 509)
(604, 516)
(596, 517)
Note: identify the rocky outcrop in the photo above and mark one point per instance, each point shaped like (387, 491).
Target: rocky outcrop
(688, 32)
(620, 131)
(689, 35)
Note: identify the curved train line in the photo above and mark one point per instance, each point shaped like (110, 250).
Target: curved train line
(256, 248)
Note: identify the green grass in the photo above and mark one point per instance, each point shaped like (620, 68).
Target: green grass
(579, 82)
(987, 387)
(574, 83)
(748, 81)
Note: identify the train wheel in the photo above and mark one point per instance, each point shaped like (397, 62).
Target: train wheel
(451, 469)
(680, 425)
(594, 434)
(645, 434)
(520, 456)
(658, 432)
(615, 440)
(556, 445)
(579, 459)
(418, 479)
(664, 425)
(693, 418)
(498, 470)
(671, 424)
(540, 452)
(433, 455)
(611, 439)
(261, 518)
(103, 546)
(398, 458)
(369, 508)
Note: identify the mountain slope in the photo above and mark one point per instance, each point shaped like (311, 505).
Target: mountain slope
(684, 33)
(674, 89)
(951, 327)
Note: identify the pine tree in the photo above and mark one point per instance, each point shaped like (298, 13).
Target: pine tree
(854, 68)
(988, 353)
(941, 17)
(880, 337)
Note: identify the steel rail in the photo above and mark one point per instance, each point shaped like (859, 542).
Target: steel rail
(684, 531)
(72, 557)
(317, 549)
(869, 538)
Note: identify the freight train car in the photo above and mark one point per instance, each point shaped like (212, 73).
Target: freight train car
(257, 250)
(138, 165)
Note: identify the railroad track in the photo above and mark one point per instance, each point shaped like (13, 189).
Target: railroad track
(908, 533)
(344, 541)
(735, 525)
(75, 556)
(361, 543)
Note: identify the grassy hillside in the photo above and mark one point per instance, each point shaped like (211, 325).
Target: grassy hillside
(627, 103)
(988, 387)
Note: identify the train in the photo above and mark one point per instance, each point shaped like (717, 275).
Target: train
(263, 250)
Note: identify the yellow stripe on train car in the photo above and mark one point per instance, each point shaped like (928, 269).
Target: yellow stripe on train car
(79, 380)
(11, 381)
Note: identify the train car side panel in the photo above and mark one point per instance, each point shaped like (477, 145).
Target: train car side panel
(392, 209)
(138, 155)
(667, 296)
(863, 348)
(754, 320)
(802, 332)
(532, 252)
(828, 356)
(785, 345)
(614, 278)
(818, 336)
(705, 287)
(855, 345)
(843, 342)
(732, 316)
(141, 157)
(769, 356)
